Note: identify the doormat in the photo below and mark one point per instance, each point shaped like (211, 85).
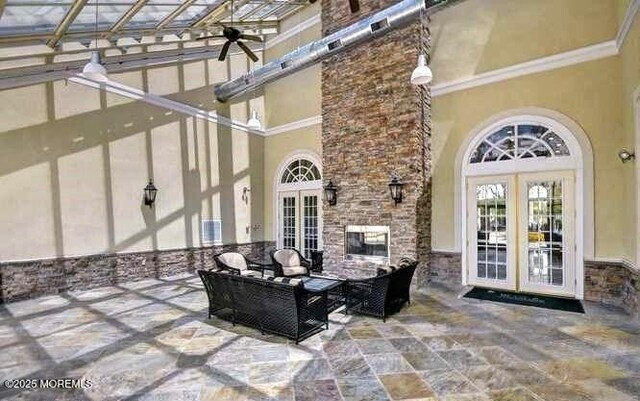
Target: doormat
(539, 301)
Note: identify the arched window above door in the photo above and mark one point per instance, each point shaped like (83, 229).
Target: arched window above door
(300, 170)
(519, 141)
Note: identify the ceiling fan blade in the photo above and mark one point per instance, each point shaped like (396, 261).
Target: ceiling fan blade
(251, 55)
(210, 37)
(354, 5)
(223, 52)
(251, 37)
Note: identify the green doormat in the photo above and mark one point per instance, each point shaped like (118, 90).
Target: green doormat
(540, 301)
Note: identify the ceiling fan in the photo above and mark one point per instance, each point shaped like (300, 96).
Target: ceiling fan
(354, 5)
(233, 35)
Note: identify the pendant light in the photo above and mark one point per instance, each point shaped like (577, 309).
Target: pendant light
(93, 69)
(254, 122)
(422, 74)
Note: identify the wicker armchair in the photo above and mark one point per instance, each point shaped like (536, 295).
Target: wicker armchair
(289, 263)
(238, 264)
(382, 295)
(218, 293)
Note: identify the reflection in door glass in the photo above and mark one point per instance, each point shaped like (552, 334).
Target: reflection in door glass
(491, 231)
(289, 231)
(544, 233)
(310, 216)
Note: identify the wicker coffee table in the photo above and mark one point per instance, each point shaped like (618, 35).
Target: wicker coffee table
(330, 288)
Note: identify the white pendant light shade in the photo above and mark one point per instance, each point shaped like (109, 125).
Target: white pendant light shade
(253, 122)
(422, 74)
(94, 70)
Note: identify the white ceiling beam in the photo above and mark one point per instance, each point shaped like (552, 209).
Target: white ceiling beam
(69, 17)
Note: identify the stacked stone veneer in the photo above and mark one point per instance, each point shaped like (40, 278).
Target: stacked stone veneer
(375, 122)
(611, 283)
(22, 280)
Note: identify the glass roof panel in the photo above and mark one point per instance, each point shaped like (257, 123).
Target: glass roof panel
(107, 15)
(150, 15)
(286, 10)
(34, 18)
(266, 11)
(189, 15)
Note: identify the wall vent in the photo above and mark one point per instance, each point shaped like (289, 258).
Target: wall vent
(378, 25)
(334, 45)
(211, 232)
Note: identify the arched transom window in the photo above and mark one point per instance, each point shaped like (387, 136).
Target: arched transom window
(300, 170)
(520, 141)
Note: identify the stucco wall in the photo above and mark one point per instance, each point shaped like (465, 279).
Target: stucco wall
(630, 66)
(74, 161)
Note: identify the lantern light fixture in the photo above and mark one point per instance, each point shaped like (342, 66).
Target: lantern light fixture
(330, 191)
(150, 192)
(395, 187)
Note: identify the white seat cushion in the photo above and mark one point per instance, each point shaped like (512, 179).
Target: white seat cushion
(287, 257)
(233, 259)
(294, 271)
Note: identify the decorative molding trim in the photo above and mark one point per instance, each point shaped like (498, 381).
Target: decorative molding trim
(304, 25)
(306, 122)
(625, 27)
(589, 53)
(137, 94)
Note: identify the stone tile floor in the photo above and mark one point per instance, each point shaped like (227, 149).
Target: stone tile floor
(152, 340)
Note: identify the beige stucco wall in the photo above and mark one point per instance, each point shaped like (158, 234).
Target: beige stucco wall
(587, 93)
(477, 36)
(74, 161)
(630, 66)
(290, 99)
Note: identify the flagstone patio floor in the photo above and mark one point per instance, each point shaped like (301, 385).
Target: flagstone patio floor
(152, 340)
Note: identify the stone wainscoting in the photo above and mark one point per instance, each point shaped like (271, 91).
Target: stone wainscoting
(613, 283)
(445, 267)
(30, 279)
(609, 283)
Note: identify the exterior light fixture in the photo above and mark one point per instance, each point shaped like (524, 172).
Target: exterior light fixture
(93, 69)
(330, 191)
(626, 156)
(395, 187)
(422, 74)
(150, 192)
(254, 122)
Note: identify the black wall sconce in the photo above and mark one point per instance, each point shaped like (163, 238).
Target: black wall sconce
(626, 156)
(395, 187)
(150, 192)
(330, 191)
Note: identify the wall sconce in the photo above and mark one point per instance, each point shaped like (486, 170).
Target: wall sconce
(245, 194)
(330, 191)
(626, 156)
(150, 192)
(395, 186)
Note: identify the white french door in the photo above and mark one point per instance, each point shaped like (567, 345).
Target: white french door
(300, 220)
(521, 232)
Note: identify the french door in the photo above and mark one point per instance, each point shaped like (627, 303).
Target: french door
(300, 220)
(520, 232)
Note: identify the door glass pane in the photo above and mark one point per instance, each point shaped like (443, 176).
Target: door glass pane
(289, 229)
(491, 231)
(545, 233)
(310, 216)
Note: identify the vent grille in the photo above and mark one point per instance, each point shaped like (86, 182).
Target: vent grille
(211, 232)
(378, 25)
(334, 45)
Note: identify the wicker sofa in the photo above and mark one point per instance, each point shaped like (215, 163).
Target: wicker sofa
(272, 304)
(384, 294)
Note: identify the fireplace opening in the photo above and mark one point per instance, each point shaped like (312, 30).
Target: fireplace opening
(370, 243)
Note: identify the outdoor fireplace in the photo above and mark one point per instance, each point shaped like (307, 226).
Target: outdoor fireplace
(368, 243)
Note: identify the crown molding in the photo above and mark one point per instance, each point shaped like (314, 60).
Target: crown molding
(589, 53)
(625, 27)
(303, 26)
(305, 122)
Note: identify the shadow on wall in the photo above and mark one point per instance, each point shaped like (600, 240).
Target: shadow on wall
(71, 180)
